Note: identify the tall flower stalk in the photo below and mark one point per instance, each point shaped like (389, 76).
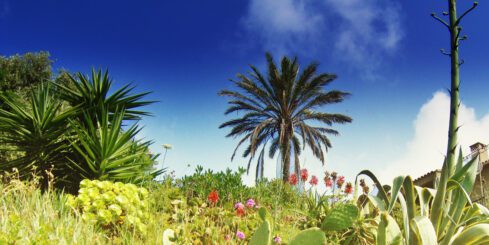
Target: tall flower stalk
(448, 169)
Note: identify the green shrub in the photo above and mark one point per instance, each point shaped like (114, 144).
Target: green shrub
(112, 205)
(227, 183)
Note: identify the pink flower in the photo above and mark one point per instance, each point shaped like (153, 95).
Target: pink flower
(240, 235)
(238, 205)
(304, 174)
(250, 203)
(314, 180)
(328, 182)
(277, 239)
(340, 181)
(293, 179)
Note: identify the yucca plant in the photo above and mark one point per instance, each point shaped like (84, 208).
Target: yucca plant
(92, 95)
(37, 132)
(75, 129)
(105, 151)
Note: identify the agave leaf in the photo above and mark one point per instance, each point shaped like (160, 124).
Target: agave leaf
(389, 232)
(475, 234)
(396, 188)
(423, 230)
(462, 183)
(377, 202)
(381, 192)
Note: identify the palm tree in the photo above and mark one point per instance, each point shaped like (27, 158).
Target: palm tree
(278, 111)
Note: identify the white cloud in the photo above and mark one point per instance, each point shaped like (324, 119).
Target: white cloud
(362, 31)
(426, 150)
(281, 25)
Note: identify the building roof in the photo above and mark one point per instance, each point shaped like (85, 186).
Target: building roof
(426, 177)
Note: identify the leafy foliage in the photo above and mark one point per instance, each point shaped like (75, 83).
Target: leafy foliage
(340, 218)
(419, 220)
(228, 183)
(278, 111)
(91, 96)
(36, 131)
(106, 152)
(76, 129)
(111, 205)
(313, 236)
(20, 73)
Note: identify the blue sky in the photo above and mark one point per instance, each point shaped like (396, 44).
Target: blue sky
(386, 53)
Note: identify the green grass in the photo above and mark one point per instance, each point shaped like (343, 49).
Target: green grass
(30, 216)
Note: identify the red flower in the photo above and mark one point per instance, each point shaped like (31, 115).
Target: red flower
(304, 174)
(213, 197)
(240, 212)
(314, 180)
(340, 181)
(328, 182)
(348, 188)
(293, 179)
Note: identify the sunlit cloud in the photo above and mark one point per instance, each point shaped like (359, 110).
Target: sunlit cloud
(359, 32)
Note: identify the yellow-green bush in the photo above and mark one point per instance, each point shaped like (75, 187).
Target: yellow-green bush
(112, 205)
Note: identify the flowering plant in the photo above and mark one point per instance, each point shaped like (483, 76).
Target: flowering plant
(213, 197)
(110, 204)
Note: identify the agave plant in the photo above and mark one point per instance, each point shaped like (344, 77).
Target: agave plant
(460, 222)
(107, 152)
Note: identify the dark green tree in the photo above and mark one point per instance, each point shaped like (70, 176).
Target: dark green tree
(281, 110)
(23, 72)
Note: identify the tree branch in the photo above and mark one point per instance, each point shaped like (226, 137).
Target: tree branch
(440, 20)
(445, 53)
(474, 5)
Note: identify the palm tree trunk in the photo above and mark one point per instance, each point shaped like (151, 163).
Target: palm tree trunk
(286, 160)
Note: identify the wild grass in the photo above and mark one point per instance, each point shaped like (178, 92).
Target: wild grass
(31, 216)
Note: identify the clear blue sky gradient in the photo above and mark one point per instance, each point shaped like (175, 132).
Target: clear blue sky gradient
(185, 52)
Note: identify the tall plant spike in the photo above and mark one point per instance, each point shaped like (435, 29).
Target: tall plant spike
(449, 165)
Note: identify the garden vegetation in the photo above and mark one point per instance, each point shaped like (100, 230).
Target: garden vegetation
(73, 171)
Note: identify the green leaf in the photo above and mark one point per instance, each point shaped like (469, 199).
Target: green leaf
(476, 234)
(381, 192)
(389, 232)
(312, 236)
(263, 235)
(423, 230)
(340, 218)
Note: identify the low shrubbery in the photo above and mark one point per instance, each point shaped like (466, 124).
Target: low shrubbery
(117, 213)
(112, 205)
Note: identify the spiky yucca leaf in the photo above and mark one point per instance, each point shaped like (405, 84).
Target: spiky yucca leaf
(37, 131)
(107, 152)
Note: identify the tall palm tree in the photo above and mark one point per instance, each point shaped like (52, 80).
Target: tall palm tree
(278, 110)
